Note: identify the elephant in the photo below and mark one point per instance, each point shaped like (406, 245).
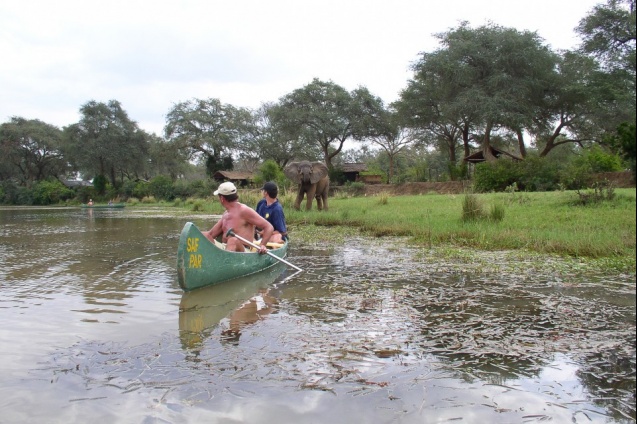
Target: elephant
(312, 179)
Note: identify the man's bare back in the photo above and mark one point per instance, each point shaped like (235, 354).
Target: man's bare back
(240, 220)
(243, 220)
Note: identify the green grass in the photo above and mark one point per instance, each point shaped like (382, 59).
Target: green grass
(548, 222)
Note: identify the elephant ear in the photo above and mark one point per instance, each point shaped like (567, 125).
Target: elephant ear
(319, 171)
(292, 172)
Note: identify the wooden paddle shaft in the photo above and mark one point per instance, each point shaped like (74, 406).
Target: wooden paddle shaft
(231, 233)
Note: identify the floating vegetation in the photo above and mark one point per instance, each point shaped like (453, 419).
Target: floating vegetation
(373, 318)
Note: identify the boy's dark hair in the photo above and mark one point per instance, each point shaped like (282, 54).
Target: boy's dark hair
(271, 189)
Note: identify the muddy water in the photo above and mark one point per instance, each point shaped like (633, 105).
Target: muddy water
(95, 327)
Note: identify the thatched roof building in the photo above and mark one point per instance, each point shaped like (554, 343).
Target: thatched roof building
(479, 155)
(240, 178)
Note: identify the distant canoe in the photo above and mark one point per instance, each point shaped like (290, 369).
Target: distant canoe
(201, 263)
(111, 206)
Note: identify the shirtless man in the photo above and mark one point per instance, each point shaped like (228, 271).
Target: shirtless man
(241, 218)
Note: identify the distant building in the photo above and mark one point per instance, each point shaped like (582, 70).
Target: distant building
(352, 172)
(478, 156)
(239, 178)
(76, 183)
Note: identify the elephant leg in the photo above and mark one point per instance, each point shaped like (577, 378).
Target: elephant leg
(310, 197)
(319, 202)
(299, 199)
(324, 195)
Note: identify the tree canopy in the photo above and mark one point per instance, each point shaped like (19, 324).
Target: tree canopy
(326, 115)
(106, 142)
(30, 151)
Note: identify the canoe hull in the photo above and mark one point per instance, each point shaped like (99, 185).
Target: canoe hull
(200, 263)
(113, 206)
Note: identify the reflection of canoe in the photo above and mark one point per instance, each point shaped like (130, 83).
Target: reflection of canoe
(111, 206)
(201, 263)
(201, 310)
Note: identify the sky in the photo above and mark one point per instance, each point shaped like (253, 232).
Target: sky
(150, 55)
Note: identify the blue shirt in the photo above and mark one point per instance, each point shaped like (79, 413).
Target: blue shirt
(273, 214)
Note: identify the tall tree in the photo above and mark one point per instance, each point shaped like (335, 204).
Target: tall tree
(429, 104)
(272, 141)
(208, 130)
(327, 115)
(164, 159)
(105, 141)
(480, 81)
(389, 132)
(608, 33)
(30, 151)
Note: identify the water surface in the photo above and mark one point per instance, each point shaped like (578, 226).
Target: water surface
(95, 327)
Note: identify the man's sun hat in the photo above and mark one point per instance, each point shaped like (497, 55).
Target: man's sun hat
(226, 189)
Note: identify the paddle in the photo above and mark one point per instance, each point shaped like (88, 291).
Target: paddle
(231, 233)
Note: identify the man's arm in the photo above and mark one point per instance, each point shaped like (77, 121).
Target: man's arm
(257, 220)
(214, 232)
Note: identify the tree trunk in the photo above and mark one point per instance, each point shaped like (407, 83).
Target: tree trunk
(486, 144)
(465, 140)
(452, 159)
(113, 177)
(521, 143)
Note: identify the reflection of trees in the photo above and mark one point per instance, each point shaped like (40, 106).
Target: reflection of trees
(609, 376)
(498, 333)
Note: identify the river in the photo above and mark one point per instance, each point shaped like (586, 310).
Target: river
(96, 328)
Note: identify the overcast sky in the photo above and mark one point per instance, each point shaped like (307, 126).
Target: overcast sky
(149, 55)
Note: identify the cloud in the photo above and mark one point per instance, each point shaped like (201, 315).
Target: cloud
(151, 55)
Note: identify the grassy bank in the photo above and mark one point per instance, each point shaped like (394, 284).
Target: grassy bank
(550, 222)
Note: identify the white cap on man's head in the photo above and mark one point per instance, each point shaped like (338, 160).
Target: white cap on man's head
(225, 189)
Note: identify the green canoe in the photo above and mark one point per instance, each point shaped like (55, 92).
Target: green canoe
(111, 206)
(201, 263)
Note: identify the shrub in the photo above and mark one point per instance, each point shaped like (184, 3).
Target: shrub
(538, 174)
(383, 198)
(472, 209)
(601, 161)
(497, 213)
(83, 194)
(8, 192)
(198, 206)
(269, 171)
(141, 189)
(602, 191)
(496, 176)
(127, 188)
(99, 183)
(579, 172)
(356, 187)
(50, 192)
(195, 188)
(161, 187)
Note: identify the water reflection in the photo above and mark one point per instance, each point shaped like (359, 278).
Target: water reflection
(240, 302)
